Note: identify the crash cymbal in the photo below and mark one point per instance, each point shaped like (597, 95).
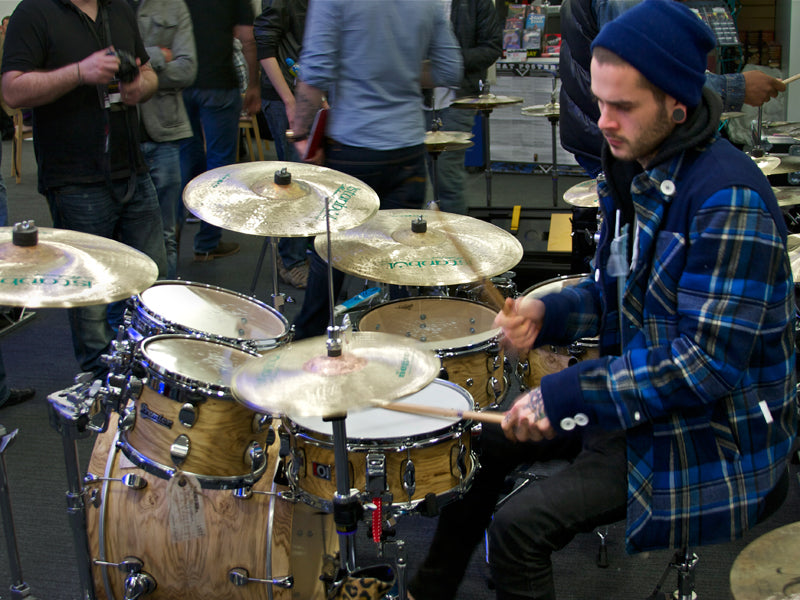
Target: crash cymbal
(301, 379)
(485, 101)
(767, 163)
(787, 164)
(446, 249)
(583, 195)
(793, 248)
(768, 568)
(252, 198)
(64, 268)
(787, 195)
(542, 110)
(440, 141)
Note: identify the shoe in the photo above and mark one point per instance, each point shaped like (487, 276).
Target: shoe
(297, 276)
(191, 220)
(222, 249)
(18, 396)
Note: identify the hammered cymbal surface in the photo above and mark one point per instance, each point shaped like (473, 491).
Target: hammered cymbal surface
(583, 194)
(68, 268)
(768, 567)
(454, 249)
(301, 379)
(245, 198)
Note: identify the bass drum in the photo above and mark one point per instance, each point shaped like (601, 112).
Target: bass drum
(198, 544)
(545, 360)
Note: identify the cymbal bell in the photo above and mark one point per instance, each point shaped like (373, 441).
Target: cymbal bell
(65, 268)
(302, 380)
(767, 163)
(484, 101)
(583, 195)
(422, 247)
(441, 141)
(542, 110)
(279, 199)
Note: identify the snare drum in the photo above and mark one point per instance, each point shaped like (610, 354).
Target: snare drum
(408, 455)
(551, 359)
(460, 331)
(204, 555)
(206, 311)
(186, 417)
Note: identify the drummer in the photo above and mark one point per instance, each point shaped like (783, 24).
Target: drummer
(684, 423)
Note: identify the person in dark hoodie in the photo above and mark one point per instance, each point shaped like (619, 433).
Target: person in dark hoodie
(581, 20)
(684, 423)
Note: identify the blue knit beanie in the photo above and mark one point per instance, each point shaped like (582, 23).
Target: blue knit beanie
(666, 42)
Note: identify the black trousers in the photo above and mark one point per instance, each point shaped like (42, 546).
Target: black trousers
(529, 527)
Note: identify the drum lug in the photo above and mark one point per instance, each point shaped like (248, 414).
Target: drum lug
(240, 576)
(375, 474)
(187, 415)
(297, 463)
(138, 583)
(443, 374)
(255, 457)
(179, 450)
(260, 423)
(409, 478)
(128, 419)
(523, 370)
(494, 387)
(459, 462)
(469, 382)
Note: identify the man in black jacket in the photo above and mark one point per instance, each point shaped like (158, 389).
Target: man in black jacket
(480, 35)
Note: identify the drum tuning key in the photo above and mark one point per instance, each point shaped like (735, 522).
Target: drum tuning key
(240, 576)
(138, 583)
(129, 480)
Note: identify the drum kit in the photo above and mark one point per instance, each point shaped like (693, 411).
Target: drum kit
(228, 456)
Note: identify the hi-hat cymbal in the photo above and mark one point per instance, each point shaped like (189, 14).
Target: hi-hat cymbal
(446, 249)
(788, 164)
(301, 379)
(768, 567)
(787, 195)
(767, 163)
(65, 268)
(542, 110)
(582, 195)
(251, 198)
(484, 101)
(440, 141)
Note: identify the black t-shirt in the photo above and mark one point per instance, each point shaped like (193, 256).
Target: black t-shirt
(69, 133)
(213, 22)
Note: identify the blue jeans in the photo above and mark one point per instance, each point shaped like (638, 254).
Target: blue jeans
(398, 177)
(214, 115)
(164, 160)
(450, 170)
(291, 250)
(91, 208)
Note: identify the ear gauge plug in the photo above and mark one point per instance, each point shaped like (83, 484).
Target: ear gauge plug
(678, 115)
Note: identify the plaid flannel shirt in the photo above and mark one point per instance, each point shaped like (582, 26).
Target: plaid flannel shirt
(708, 317)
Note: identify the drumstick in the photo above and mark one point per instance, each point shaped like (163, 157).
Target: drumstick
(789, 80)
(435, 411)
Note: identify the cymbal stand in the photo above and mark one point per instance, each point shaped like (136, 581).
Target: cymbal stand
(278, 299)
(19, 589)
(487, 164)
(436, 125)
(757, 150)
(553, 118)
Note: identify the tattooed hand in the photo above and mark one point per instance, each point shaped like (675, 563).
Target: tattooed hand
(526, 420)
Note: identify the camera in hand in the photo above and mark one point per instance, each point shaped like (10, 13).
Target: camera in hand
(127, 66)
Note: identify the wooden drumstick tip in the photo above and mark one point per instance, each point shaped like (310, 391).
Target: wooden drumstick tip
(789, 80)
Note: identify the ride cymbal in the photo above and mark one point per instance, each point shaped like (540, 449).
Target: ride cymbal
(64, 268)
(484, 101)
(583, 195)
(279, 199)
(302, 380)
(440, 141)
(422, 247)
(542, 110)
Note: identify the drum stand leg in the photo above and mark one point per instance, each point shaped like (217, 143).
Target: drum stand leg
(277, 298)
(347, 509)
(554, 175)
(19, 589)
(68, 424)
(487, 164)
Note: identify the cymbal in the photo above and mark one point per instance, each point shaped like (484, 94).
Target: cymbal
(787, 195)
(542, 110)
(65, 268)
(301, 379)
(793, 248)
(731, 115)
(768, 566)
(484, 101)
(583, 195)
(449, 249)
(245, 197)
(767, 163)
(787, 127)
(440, 141)
(788, 164)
